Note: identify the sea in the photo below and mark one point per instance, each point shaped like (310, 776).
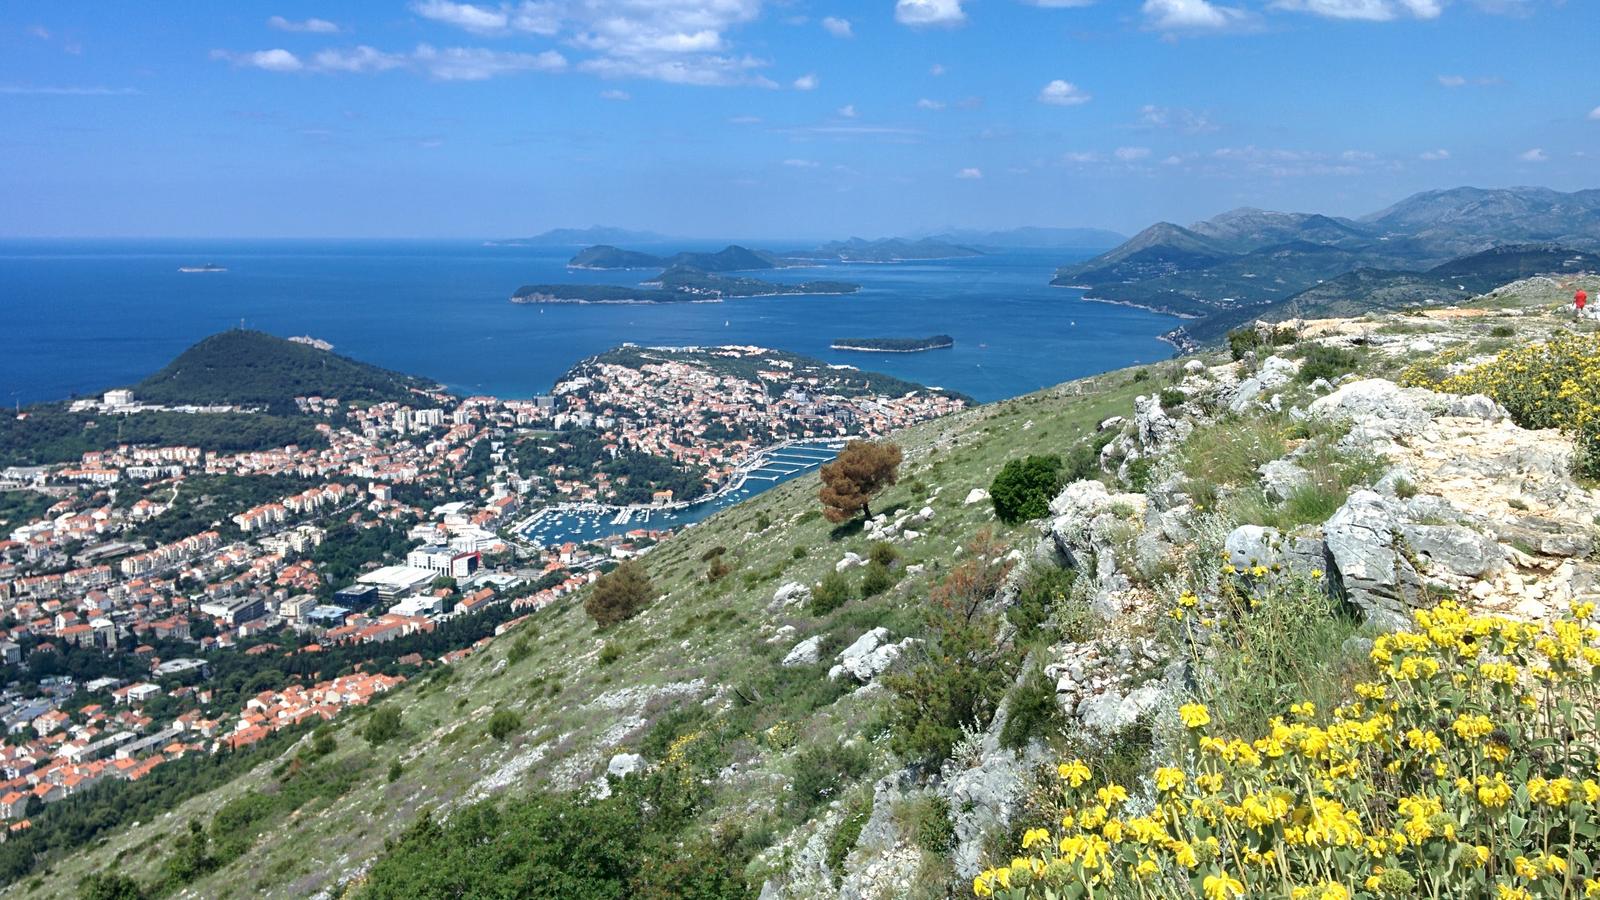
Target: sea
(80, 316)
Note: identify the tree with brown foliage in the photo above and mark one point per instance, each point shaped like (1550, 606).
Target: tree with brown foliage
(619, 595)
(859, 473)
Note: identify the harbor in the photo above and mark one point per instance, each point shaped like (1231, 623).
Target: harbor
(581, 523)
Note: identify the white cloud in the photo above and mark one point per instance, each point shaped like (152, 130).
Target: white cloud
(476, 19)
(1176, 118)
(275, 60)
(839, 28)
(479, 63)
(614, 94)
(848, 110)
(40, 32)
(1536, 155)
(801, 163)
(1452, 81)
(1190, 15)
(936, 69)
(65, 90)
(679, 41)
(1434, 155)
(1363, 10)
(918, 13)
(970, 173)
(1132, 154)
(745, 120)
(1059, 4)
(447, 64)
(807, 82)
(1063, 93)
(310, 26)
(357, 59)
(1080, 157)
(1594, 114)
(931, 105)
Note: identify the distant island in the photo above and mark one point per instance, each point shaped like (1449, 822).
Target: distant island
(679, 284)
(887, 250)
(895, 345)
(581, 237)
(732, 258)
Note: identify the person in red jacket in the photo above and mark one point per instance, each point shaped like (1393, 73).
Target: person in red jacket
(1578, 301)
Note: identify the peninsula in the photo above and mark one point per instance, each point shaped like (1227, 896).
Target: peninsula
(895, 345)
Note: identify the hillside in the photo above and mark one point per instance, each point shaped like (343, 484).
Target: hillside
(252, 368)
(878, 710)
(1031, 237)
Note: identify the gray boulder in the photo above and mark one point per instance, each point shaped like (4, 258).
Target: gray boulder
(624, 764)
(1157, 429)
(1281, 477)
(805, 653)
(1378, 578)
(1453, 549)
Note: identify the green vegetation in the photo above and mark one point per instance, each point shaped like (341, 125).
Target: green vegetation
(382, 725)
(1322, 361)
(49, 433)
(680, 284)
(251, 368)
(503, 724)
(831, 593)
(895, 345)
(1024, 488)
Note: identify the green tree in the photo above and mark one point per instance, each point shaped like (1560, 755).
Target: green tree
(503, 723)
(382, 725)
(109, 886)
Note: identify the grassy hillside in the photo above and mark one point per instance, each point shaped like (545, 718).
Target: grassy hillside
(252, 368)
(698, 661)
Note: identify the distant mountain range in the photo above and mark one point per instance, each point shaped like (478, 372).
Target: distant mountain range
(1033, 237)
(1252, 263)
(583, 237)
(885, 250)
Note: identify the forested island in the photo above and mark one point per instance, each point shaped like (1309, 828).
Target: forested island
(895, 345)
(679, 284)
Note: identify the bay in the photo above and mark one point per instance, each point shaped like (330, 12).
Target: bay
(80, 316)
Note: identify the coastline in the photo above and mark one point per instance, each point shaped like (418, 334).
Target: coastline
(534, 301)
(1128, 303)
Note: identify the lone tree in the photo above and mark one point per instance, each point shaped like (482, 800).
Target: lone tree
(860, 472)
(619, 595)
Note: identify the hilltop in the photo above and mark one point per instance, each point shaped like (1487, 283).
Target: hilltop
(1241, 263)
(253, 368)
(790, 713)
(732, 258)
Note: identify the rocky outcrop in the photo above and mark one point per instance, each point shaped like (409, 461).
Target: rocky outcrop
(870, 656)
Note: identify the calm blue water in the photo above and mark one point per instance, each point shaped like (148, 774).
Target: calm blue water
(81, 316)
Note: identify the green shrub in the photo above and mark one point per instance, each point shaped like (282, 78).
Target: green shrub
(1323, 361)
(382, 725)
(927, 820)
(877, 579)
(619, 595)
(1502, 331)
(1031, 711)
(830, 594)
(844, 837)
(1172, 398)
(821, 772)
(1045, 592)
(1024, 488)
(798, 552)
(883, 553)
(503, 723)
(395, 771)
(609, 654)
(519, 650)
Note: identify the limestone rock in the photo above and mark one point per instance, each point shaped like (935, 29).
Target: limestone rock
(976, 495)
(805, 653)
(1377, 578)
(624, 764)
(1281, 477)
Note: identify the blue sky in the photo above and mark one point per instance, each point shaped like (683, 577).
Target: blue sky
(773, 118)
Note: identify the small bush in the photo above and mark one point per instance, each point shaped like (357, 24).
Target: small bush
(1502, 331)
(927, 820)
(844, 837)
(382, 725)
(822, 771)
(718, 570)
(883, 553)
(1045, 592)
(1032, 710)
(832, 593)
(519, 651)
(1024, 487)
(877, 579)
(395, 771)
(1322, 361)
(713, 553)
(503, 723)
(1172, 398)
(609, 654)
(798, 553)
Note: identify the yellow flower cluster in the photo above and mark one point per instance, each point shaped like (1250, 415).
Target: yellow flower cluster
(1466, 768)
(1555, 384)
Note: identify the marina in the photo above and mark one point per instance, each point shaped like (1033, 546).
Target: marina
(580, 523)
